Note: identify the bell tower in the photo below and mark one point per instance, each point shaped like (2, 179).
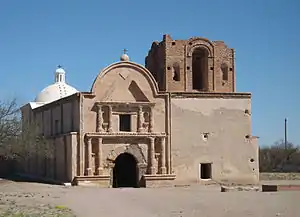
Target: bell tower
(193, 65)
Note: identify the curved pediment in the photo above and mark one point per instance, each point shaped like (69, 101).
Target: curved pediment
(125, 81)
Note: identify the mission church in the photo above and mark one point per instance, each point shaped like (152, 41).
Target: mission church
(176, 120)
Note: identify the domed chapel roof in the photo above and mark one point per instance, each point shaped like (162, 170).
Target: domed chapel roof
(58, 90)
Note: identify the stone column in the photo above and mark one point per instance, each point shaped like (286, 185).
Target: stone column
(151, 154)
(99, 157)
(140, 119)
(89, 157)
(99, 118)
(163, 169)
(109, 118)
(151, 120)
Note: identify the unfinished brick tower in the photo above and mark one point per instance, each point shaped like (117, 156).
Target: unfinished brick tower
(193, 65)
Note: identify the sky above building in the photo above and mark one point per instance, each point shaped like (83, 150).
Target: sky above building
(86, 36)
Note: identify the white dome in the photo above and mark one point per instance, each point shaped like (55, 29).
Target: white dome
(54, 92)
(60, 70)
(57, 90)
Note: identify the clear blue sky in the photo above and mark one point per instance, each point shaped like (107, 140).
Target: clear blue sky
(85, 36)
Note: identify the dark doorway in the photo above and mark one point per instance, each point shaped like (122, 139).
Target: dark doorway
(125, 123)
(125, 172)
(206, 171)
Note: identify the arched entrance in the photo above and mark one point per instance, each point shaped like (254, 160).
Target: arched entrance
(125, 172)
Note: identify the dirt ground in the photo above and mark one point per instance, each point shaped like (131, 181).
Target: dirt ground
(205, 201)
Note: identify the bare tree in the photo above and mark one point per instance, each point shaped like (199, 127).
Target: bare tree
(17, 142)
(279, 158)
(10, 127)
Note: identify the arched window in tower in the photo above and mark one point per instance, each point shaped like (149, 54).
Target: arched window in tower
(200, 69)
(176, 72)
(224, 69)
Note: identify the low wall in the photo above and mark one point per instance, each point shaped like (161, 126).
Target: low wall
(7, 167)
(279, 176)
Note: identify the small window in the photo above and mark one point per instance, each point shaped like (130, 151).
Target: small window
(125, 123)
(205, 171)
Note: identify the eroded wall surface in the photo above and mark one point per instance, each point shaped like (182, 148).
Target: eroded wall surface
(213, 130)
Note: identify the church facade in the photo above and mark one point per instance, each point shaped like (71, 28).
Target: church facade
(178, 120)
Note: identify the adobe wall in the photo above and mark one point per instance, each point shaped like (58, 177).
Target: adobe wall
(227, 147)
(59, 117)
(57, 121)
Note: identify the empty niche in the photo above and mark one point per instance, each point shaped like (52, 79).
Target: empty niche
(205, 171)
(224, 69)
(176, 72)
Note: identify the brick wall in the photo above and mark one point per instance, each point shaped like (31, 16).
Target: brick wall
(169, 56)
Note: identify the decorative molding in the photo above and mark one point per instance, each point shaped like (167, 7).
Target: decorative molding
(125, 104)
(125, 134)
(210, 95)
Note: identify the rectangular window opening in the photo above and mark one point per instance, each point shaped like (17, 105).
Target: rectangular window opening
(56, 127)
(125, 122)
(205, 171)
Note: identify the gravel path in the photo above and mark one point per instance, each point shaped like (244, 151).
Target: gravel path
(192, 201)
(30, 200)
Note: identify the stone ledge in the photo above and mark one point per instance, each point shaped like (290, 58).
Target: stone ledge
(159, 177)
(207, 94)
(239, 188)
(101, 181)
(158, 180)
(125, 134)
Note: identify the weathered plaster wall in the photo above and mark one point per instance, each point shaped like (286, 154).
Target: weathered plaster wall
(123, 83)
(57, 121)
(226, 147)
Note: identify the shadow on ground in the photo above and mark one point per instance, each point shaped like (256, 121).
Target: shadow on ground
(20, 178)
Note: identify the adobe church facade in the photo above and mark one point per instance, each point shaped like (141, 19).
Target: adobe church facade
(178, 120)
